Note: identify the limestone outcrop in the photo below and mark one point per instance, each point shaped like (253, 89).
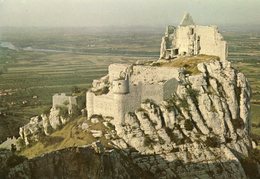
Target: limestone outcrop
(204, 127)
(202, 130)
(42, 125)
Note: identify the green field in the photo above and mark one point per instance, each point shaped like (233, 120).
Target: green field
(63, 58)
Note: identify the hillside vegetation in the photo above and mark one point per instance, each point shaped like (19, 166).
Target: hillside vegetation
(71, 135)
(189, 63)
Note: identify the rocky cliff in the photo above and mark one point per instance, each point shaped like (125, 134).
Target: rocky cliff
(42, 125)
(79, 162)
(201, 131)
(205, 126)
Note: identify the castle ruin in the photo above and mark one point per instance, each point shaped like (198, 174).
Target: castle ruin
(127, 86)
(191, 39)
(62, 100)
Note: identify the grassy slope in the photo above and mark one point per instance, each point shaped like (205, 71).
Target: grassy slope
(69, 136)
(190, 63)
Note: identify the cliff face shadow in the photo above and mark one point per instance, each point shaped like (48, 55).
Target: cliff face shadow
(86, 162)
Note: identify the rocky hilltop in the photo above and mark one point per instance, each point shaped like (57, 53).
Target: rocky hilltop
(186, 115)
(202, 131)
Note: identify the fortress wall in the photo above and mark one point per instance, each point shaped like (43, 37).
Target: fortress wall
(150, 74)
(90, 103)
(115, 105)
(133, 99)
(146, 84)
(127, 103)
(182, 38)
(211, 41)
(63, 100)
(120, 86)
(154, 92)
(73, 100)
(104, 104)
(114, 71)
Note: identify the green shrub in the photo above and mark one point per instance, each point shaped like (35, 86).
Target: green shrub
(175, 149)
(46, 111)
(20, 143)
(148, 101)
(170, 133)
(212, 142)
(75, 111)
(111, 126)
(141, 110)
(184, 104)
(51, 140)
(147, 141)
(193, 94)
(63, 111)
(81, 101)
(14, 160)
(238, 123)
(75, 89)
(161, 141)
(250, 166)
(188, 125)
(228, 139)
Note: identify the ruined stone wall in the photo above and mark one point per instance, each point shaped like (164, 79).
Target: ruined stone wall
(127, 103)
(63, 100)
(152, 74)
(209, 39)
(182, 39)
(114, 71)
(144, 83)
(212, 41)
(59, 99)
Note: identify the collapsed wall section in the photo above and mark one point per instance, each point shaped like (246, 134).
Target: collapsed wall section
(194, 40)
(59, 100)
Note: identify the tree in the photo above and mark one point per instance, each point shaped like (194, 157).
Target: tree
(75, 89)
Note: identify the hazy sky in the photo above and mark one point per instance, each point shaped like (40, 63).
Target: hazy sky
(126, 12)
